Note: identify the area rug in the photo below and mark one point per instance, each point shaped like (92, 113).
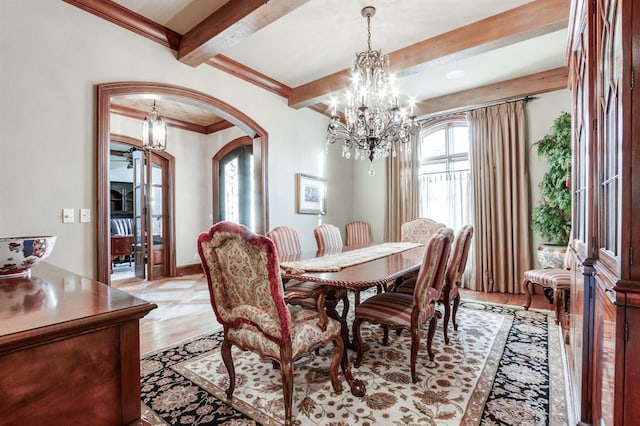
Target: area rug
(503, 366)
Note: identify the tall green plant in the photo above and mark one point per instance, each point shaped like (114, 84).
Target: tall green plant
(551, 218)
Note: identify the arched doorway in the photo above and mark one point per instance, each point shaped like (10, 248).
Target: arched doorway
(188, 96)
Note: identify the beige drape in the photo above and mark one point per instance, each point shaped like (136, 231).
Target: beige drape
(500, 197)
(401, 201)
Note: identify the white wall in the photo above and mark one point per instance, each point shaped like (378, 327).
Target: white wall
(53, 56)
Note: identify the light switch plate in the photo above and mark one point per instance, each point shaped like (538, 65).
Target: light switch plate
(67, 216)
(85, 215)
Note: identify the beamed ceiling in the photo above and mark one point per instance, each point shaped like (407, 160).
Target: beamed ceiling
(302, 49)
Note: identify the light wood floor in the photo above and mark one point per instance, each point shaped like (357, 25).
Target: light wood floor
(184, 310)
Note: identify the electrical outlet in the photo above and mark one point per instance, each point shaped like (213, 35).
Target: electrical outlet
(68, 216)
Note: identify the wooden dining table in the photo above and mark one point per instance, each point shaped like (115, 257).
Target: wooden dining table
(373, 273)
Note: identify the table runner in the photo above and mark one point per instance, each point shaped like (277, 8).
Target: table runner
(337, 261)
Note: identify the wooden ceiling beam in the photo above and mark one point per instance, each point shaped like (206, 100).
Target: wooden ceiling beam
(530, 20)
(227, 26)
(542, 82)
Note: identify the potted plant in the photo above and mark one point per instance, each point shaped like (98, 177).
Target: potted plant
(551, 218)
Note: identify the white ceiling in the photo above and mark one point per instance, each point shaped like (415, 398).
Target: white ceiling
(321, 37)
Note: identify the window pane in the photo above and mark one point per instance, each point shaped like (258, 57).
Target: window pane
(231, 196)
(433, 168)
(460, 165)
(460, 139)
(433, 144)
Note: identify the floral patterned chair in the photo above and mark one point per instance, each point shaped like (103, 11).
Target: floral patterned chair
(419, 230)
(410, 311)
(453, 279)
(358, 233)
(246, 295)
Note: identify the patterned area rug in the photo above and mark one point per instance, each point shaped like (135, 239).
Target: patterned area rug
(502, 366)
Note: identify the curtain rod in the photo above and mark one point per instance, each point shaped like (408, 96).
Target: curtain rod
(462, 110)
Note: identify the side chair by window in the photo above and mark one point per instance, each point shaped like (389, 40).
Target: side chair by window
(419, 230)
(358, 233)
(410, 311)
(453, 279)
(247, 298)
(558, 280)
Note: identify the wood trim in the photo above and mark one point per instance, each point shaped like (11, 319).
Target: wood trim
(192, 269)
(237, 117)
(125, 18)
(541, 82)
(179, 124)
(229, 25)
(515, 25)
(245, 73)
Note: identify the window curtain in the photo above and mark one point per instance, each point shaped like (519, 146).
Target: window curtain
(500, 197)
(445, 197)
(402, 190)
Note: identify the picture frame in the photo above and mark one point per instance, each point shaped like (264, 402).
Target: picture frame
(310, 194)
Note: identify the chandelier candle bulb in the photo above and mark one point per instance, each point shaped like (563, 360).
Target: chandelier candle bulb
(374, 122)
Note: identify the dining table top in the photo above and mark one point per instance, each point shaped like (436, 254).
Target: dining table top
(364, 275)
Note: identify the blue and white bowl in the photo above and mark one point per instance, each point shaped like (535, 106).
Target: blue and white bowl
(19, 254)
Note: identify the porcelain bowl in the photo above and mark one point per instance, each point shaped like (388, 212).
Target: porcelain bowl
(19, 254)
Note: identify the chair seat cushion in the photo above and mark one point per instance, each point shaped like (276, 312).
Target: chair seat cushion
(554, 278)
(391, 308)
(304, 333)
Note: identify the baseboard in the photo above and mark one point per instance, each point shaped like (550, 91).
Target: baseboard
(195, 268)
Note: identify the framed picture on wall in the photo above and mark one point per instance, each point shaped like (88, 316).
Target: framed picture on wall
(310, 194)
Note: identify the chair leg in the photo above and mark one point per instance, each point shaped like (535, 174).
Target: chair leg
(357, 297)
(432, 331)
(558, 300)
(336, 361)
(415, 346)
(385, 335)
(228, 362)
(456, 304)
(358, 341)
(447, 314)
(526, 286)
(286, 367)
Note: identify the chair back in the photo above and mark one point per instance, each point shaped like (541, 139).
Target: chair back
(286, 239)
(244, 280)
(459, 255)
(328, 237)
(432, 271)
(419, 230)
(358, 232)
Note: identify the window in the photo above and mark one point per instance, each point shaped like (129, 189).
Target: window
(236, 186)
(444, 177)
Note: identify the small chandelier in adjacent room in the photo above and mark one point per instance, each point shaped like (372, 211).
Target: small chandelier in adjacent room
(154, 131)
(374, 122)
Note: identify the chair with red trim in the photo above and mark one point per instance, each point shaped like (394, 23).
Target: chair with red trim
(246, 295)
(453, 279)
(558, 280)
(358, 233)
(410, 311)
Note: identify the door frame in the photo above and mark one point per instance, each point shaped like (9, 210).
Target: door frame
(168, 91)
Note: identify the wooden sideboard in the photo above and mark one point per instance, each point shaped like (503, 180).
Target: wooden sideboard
(69, 350)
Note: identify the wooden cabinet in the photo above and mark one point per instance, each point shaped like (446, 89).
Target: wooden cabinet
(605, 309)
(69, 350)
(121, 199)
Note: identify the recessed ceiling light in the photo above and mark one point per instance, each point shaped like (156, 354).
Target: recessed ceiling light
(454, 74)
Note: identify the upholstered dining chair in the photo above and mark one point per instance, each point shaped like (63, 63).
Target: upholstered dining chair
(328, 237)
(419, 230)
(358, 233)
(456, 265)
(247, 298)
(410, 311)
(308, 294)
(558, 280)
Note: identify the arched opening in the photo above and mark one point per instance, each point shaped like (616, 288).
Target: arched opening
(105, 92)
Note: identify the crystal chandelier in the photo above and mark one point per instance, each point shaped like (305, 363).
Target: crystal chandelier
(154, 131)
(374, 123)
